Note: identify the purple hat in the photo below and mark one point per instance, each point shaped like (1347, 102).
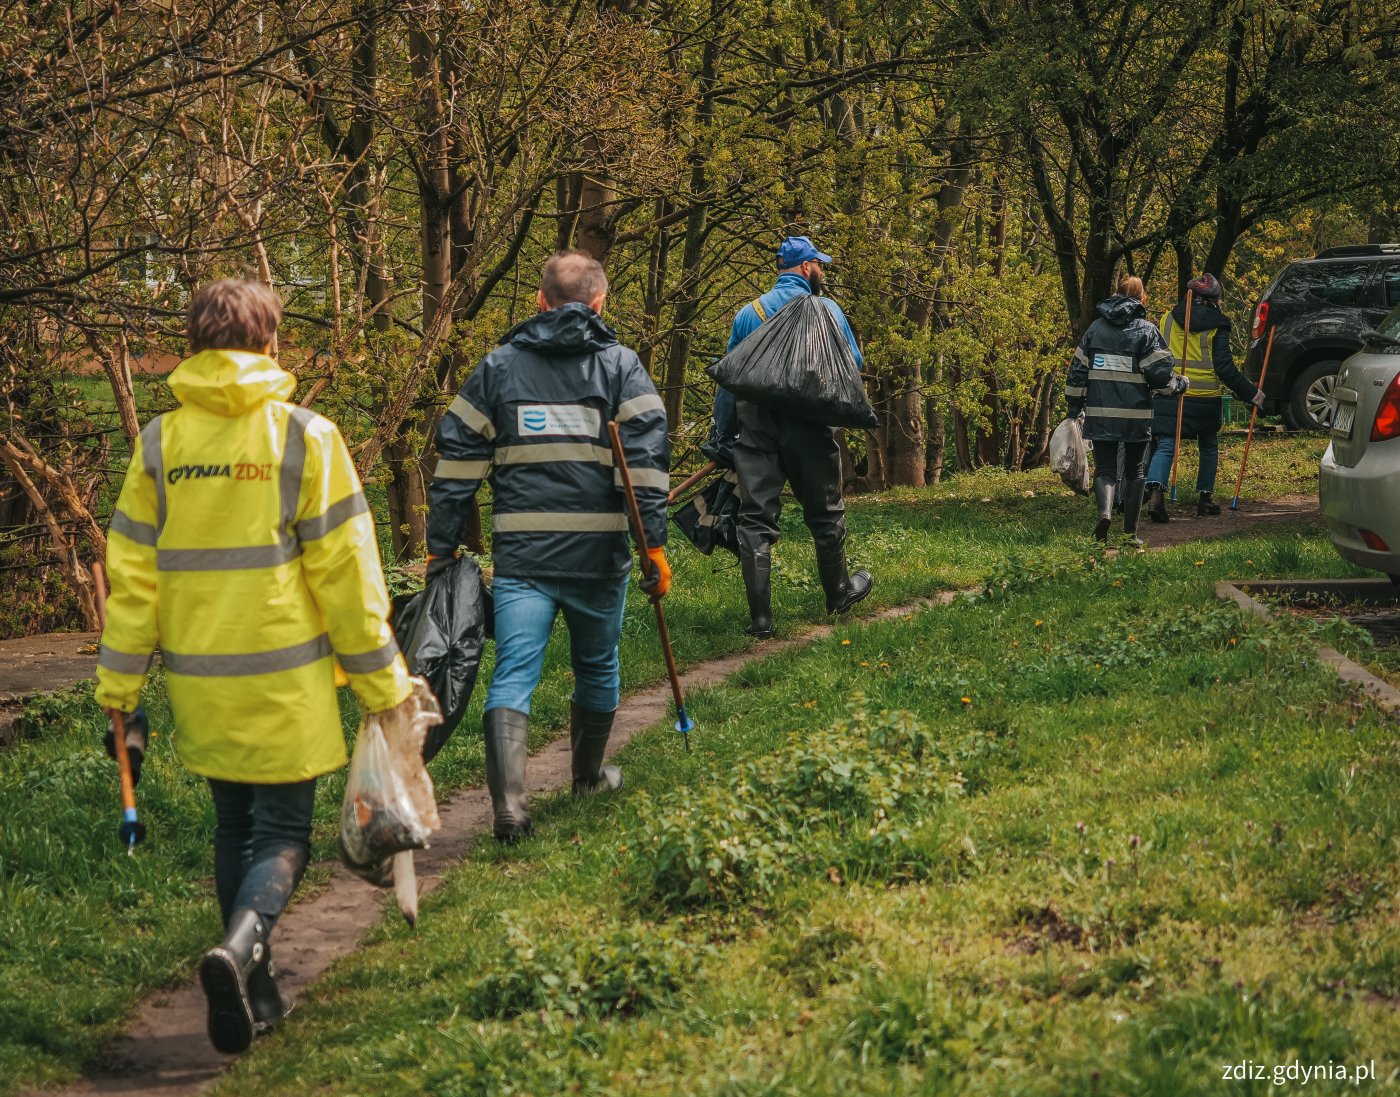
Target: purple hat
(799, 249)
(1206, 287)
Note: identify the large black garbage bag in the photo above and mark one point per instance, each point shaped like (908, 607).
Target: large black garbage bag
(799, 363)
(441, 631)
(710, 519)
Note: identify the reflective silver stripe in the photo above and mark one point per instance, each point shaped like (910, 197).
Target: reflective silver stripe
(226, 559)
(143, 533)
(1075, 390)
(1162, 355)
(557, 521)
(154, 461)
(122, 662)
(1117, 375)
(461, 470)
(369, 661)
(645, 478)
(1080, 356)
(468, 413)
(1118, 413)
(293, 464)
(553, 451)
(308, 529)
(639, 405)
(1212, 387)
(253, 662)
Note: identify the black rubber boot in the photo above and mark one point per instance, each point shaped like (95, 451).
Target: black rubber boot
(507, 747)
(1103, 495)
(265, 996)
(1156, 503)
(1206, 507)
(1132, 508)
(843, 590)
(224, 974)
(588, 734)
(758, 586)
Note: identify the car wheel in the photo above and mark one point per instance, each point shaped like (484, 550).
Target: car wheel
(1310, 403)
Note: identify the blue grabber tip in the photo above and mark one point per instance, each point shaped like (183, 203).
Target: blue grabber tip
(684, 724)
(1235, 503)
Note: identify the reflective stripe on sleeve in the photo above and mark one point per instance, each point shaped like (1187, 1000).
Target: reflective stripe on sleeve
(1075, 390)
(122, 662)
(227, 559)
(532, 521)
(639, 405)
(1117, 376)
(370, 661)
(308, 529)
(553, 451)
(154, 462)
(143, 533)
(254, 662)
(1156, 356)
(1080, 356)
(461, 470)
(1119, 413)
(468, 413)
(645, 478)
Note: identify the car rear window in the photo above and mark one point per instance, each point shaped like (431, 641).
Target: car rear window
(1390, 282)
(1333, 283)
(1391, 324)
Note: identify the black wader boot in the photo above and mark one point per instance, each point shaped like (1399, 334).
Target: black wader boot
(588, 734)
(842, 589)
(1103, 495)
(265, 996)
(225, 973)
(757, 585)
(1132, 508)
(1156, 504)
(507, 746)
(1206, 507)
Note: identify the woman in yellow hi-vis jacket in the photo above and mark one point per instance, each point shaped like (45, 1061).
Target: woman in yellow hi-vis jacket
(242, 545)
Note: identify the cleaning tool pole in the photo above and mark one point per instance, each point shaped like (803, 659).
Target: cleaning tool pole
(1253, 412)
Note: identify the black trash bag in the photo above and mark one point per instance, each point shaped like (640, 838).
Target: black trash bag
(441, 631)
(799, 363)
(710, 519)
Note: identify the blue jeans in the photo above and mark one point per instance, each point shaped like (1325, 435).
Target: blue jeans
(525, 612)
(1160, 471)
(262, 842)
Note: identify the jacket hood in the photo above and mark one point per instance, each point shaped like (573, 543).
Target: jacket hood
(1121, 311)
(230, 382)
(1203, 317)
(570, 329)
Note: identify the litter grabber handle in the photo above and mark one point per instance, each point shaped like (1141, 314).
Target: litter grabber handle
(1181, 400)
(131, 832)
(690, 481)
(1253, 413)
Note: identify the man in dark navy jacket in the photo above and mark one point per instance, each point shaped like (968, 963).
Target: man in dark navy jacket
(533, 416)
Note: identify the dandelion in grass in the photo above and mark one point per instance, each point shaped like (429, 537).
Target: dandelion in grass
(845, 643)
(967, 700)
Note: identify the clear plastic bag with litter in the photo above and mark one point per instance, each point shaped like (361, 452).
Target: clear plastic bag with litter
(1069, 455)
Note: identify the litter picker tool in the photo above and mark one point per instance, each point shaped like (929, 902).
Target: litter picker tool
(690, 481)
(131, 832)
(1253, 412)
(1181, 400)
(684, 724)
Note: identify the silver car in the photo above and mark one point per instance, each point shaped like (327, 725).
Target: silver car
(1359, 484)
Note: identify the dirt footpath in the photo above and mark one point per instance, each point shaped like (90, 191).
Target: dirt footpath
(1253, 515)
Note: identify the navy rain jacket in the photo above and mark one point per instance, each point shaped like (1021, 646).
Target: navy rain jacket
(1121, 362)
(533, 416)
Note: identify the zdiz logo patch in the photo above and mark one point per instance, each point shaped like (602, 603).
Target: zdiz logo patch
(569, 419)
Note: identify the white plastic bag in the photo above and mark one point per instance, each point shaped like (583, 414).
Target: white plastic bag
(389, 805)
(1069, 455)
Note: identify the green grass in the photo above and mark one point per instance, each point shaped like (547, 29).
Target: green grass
(89, 931)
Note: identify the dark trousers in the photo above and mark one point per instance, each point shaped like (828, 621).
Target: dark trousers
(773, 449)
(262, 843)
(1106, 456)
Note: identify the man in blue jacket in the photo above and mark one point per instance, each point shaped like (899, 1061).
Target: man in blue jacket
(533, 416)
(768, 449)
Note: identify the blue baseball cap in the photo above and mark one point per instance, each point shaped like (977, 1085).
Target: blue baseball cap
(799, 249)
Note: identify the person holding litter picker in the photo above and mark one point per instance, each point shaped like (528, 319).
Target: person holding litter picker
(769, 449)
(242, 544)
(1121, 361)
(533, 416)
(1199, 335)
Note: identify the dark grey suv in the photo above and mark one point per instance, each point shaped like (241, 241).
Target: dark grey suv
(1320, 307)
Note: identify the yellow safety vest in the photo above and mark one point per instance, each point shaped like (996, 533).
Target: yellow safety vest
(243, 547)
(1200, 367)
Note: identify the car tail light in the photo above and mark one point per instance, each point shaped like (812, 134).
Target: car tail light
(1261, 320)
(1387, 424)
(1374, 541)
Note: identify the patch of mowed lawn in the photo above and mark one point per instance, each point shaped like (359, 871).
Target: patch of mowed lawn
(1095, 831)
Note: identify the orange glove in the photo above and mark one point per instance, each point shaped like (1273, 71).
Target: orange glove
(659, 582)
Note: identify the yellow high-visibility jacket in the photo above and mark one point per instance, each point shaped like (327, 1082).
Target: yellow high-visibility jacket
(244, 548)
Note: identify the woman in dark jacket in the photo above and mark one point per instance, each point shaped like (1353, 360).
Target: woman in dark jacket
(1122, 360)
(1207, 364)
